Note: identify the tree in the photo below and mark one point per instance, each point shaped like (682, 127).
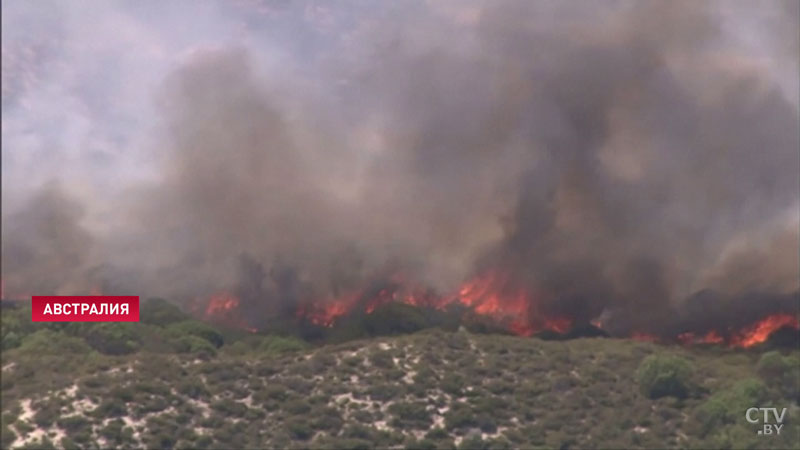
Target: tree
(157, 311)
(197, 329)
(664, 375)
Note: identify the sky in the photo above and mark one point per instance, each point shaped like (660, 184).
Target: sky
(78, 81)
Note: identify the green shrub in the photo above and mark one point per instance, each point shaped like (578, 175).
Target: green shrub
(296, 407)
(499, 443)
(42, 443)
(7, 437)
(112, 338)
(271, 394)
(10, 340)
(727, 407)
(782, 373)
(195, 345)
(384, 392)
(299, 428)
(353, 444)
(771, 365)
(16, 324)
(193, 388)
(74, 424)
(281, 344)
(111, 407)
(358, 431)
(410, 415)
(381, 359)
(24, 427)
(664, 375)
(157, 311)
(460, 416)
(150, 405)
(473, 442)
(501, 387)
(395, 318)
(198, 329)
(790, 382)
(453, 384)
(47, 342)
(229, 408)
(327, 419)
(116, 432)
(437, 434)
(424, 444)
(154, 388)
(299, 385)
(491, 405)
(486, 423)
(362, 416)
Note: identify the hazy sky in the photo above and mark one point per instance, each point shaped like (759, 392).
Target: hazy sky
(583, 145)
(78, 78)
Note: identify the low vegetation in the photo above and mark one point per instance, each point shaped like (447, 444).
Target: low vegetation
(172, 382)
(664, 375)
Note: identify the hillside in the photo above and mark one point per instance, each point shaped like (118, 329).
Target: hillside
(431, 389)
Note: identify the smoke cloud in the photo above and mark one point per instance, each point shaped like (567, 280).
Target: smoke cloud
(625, 160)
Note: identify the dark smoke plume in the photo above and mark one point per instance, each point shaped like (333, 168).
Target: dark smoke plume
(617, 160)
(45, 246)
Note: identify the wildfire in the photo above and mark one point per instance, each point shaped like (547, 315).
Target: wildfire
(489, 295)
(326, 313)
(746, 337)
(485, 294)
(221, 303)
(639, 336)
(760, 331)
(712, 337)
(223, 308)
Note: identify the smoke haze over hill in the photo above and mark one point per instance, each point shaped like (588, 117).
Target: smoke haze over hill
(630, 161)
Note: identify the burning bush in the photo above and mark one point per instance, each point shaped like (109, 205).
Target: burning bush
(664, 375)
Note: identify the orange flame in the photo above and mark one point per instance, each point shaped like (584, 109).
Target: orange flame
(646, 337)
(712, 337)
(489, 295)
(220, 304)
(760, 331)
(223, 308)
(326, 313)
(746, 337)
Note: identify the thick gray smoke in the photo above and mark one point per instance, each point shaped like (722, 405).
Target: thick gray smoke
(617, 160)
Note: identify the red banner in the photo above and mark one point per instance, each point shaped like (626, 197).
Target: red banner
(85, 308)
